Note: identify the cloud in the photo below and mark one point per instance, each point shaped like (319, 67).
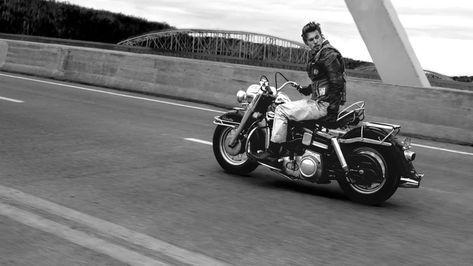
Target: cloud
(432, 26)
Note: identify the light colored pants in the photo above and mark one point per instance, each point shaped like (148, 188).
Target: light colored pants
(305, 109)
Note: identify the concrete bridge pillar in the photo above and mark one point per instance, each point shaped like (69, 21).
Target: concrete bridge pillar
(387, 42)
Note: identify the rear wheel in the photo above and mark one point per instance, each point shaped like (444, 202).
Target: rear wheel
(232, 159)
(370, 180)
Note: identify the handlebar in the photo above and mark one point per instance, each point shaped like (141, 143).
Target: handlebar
(287, 83)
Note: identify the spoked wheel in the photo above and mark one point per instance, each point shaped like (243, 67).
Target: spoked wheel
(231, 158)
(370, 180)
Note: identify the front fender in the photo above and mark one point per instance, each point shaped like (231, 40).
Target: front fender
(229, 119)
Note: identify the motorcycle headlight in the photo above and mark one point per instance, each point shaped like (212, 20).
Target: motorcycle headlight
(241, 96)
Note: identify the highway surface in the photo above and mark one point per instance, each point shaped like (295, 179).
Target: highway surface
(92, 176)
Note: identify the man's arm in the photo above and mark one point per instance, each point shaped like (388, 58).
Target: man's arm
(335, 77)
(306, 90)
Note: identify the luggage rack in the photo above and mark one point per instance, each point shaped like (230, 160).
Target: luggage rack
(392, 128)
(355, 110)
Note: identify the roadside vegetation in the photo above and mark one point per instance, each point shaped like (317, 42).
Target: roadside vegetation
(67, 21)
(64, 21)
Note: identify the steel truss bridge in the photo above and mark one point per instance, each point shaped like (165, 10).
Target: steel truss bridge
(229, 44)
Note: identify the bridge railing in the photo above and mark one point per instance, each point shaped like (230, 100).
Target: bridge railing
(233, 44)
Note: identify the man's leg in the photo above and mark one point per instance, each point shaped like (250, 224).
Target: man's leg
(279, 133)
(297, 111)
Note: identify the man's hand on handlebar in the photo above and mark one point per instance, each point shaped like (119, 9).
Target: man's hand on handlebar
(302, 90)
(297, 86)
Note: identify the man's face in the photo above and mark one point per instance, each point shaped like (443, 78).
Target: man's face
(314, 40)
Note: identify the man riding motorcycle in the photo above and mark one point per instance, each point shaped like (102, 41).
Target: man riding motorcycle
(326, 69)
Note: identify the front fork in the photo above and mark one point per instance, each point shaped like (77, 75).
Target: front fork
(244, 120)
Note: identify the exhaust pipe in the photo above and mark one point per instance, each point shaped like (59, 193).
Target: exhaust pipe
(410, 182)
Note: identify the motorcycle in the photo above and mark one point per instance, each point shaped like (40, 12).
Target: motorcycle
(366, 158)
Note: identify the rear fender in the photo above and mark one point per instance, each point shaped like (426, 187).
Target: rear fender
(392, 148)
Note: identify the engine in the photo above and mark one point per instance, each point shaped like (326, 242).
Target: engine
(308, 166)
(311, 165)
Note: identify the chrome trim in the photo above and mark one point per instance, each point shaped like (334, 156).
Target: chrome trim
(245, 118)
(409, 183)
(386, 126)
(270, 167)
(365, 140)
(285, 84)
(339, 153)
(413, 182)
(278, 171)
(306, 138)
(359, 106)
(325, 135)
(410, 155)
(337, 131)
(393, 128)
(218, 121)
(268, 136)
(250, 134)
(316, 161)
(320, 145)
(241, 96)
(382, 125)
(406, 143)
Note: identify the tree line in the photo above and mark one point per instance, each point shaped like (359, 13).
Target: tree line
(49, 18)
(463, 78)
(68, 21)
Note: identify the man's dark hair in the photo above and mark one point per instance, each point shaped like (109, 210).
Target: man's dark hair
(310, 27)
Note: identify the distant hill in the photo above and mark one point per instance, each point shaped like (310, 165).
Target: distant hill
(369, 68)
(463, 78)
(67, 21)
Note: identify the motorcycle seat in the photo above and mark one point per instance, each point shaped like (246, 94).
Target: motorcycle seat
(327, 123)
(345, 117)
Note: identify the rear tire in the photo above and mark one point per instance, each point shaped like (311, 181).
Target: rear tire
(371, 180)
(232, 160)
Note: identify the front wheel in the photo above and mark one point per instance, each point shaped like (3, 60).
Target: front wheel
(231, 159)
(370, 180)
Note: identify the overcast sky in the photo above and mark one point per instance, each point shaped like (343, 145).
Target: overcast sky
(440, 32)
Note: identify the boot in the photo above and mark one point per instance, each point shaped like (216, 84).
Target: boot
(270, 156)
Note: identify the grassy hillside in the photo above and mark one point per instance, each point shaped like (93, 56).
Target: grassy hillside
(63, 20)
(49, 18)
(368, 70)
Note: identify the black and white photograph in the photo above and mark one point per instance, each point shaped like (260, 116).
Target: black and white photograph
(215, 133)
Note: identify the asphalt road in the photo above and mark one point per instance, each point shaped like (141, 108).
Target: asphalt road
(94, 178)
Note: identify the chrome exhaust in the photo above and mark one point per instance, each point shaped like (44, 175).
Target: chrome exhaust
(410, 182)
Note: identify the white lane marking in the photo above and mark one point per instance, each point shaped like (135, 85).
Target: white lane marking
(77, 237)
(417, 145)
(110, 229)
(11, 100)
(181, 105)
(115, 94)
(442, 149)
(199, 141)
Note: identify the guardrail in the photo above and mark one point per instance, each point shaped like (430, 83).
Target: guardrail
(243, 61)
(438, 113)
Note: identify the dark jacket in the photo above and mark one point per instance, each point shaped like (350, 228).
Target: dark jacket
(326, 69)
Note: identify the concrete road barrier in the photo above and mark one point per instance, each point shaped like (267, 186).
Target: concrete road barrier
(437, 113)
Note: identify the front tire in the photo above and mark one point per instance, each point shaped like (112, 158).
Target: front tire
(370, 180)
(232, 159)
